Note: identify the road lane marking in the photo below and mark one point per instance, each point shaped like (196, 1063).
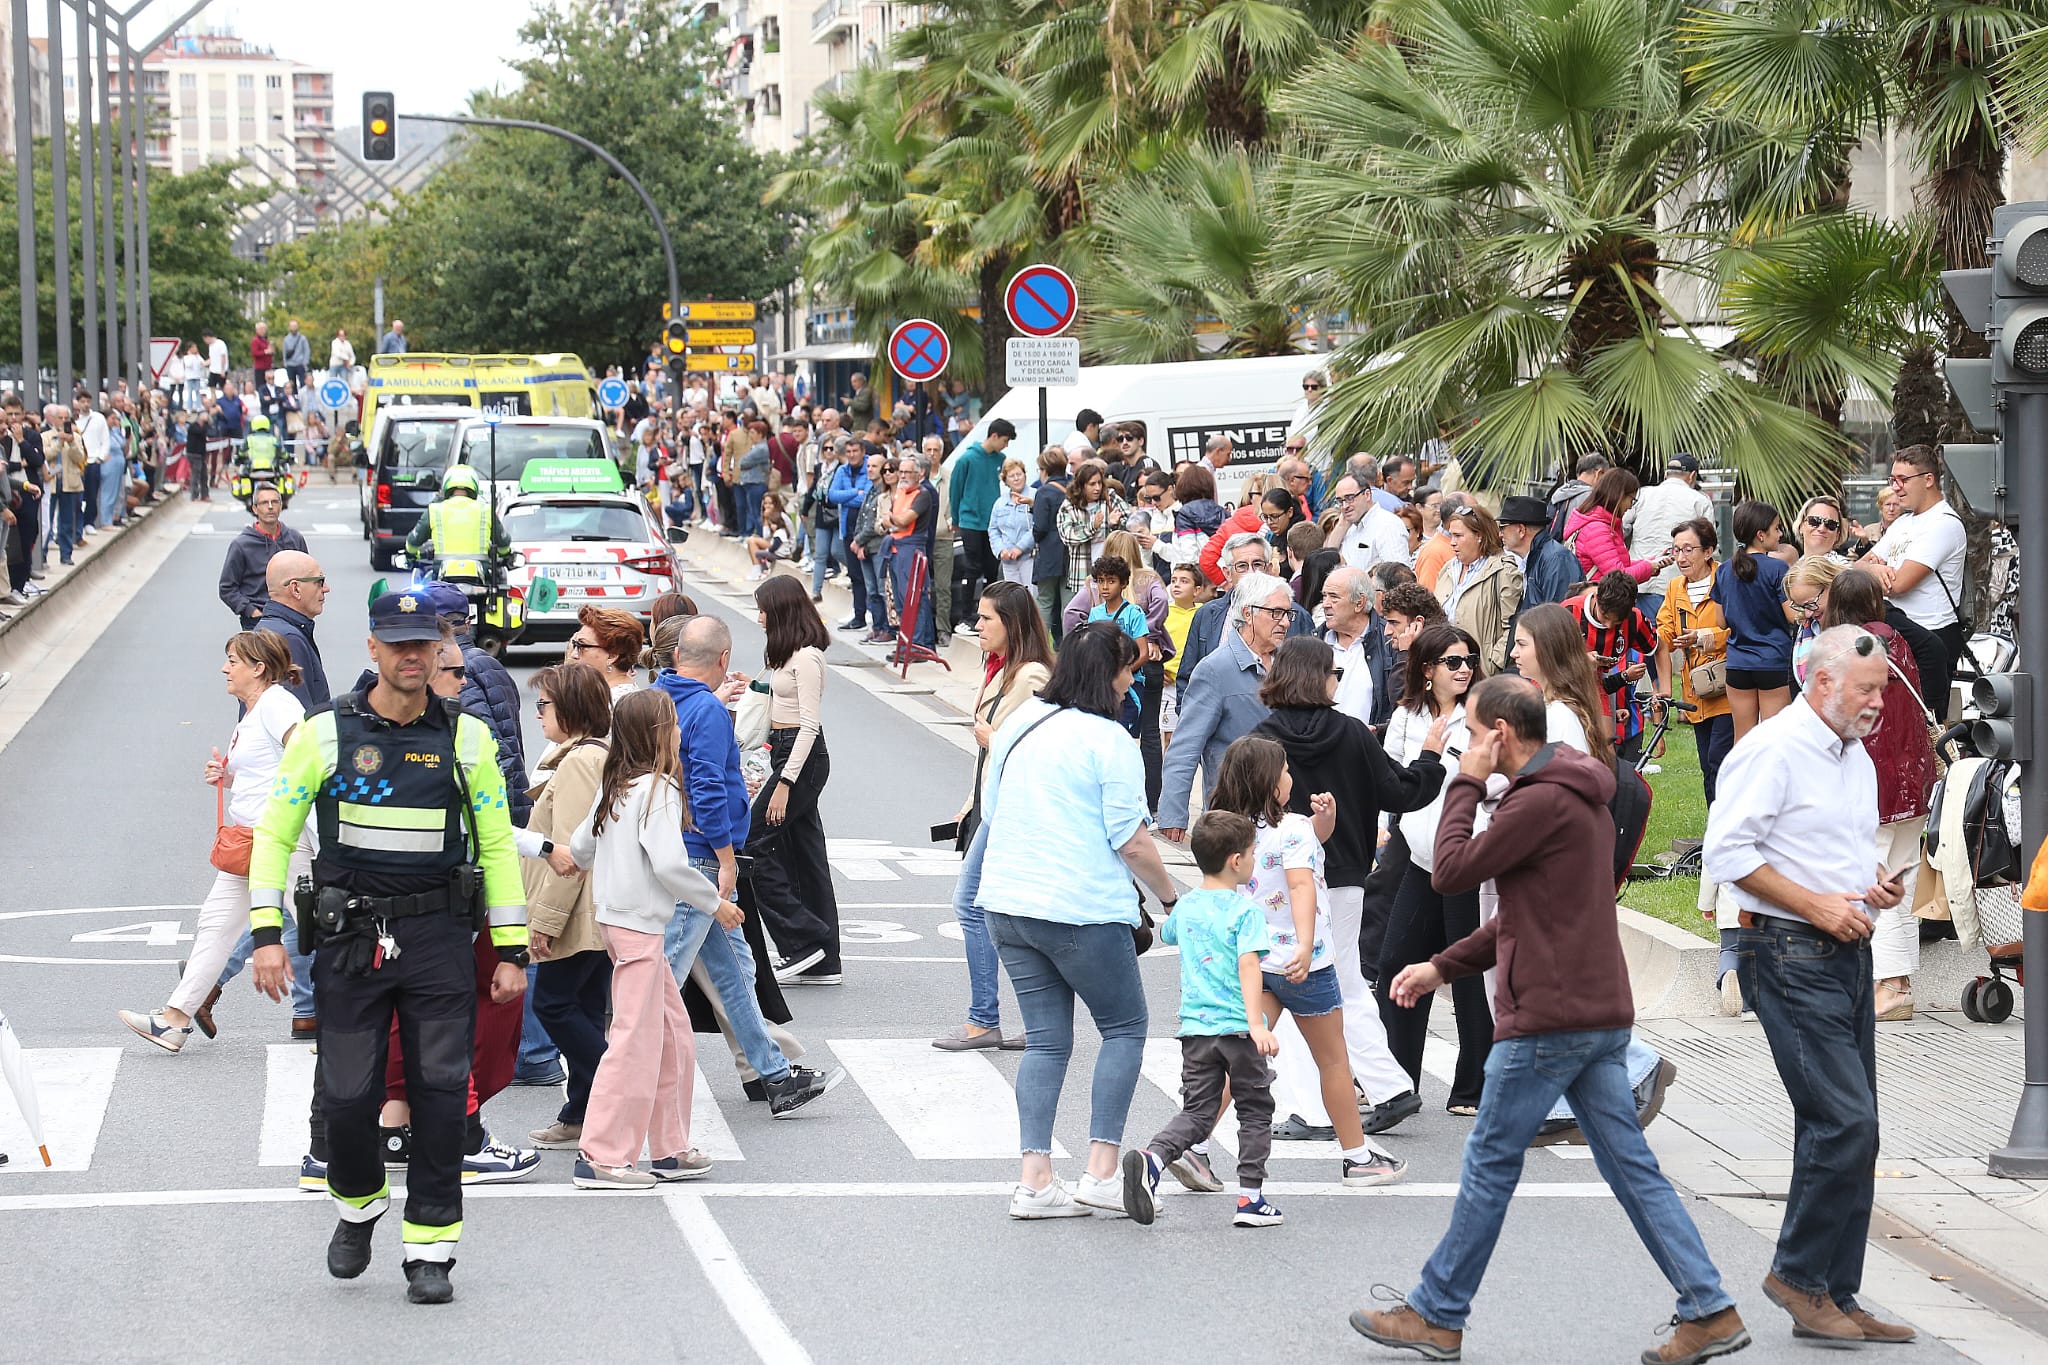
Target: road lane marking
(945, 1106)
(287, 1104)
(709, 1132)
(73, 1086)
(736, 1287)
(878, 1189)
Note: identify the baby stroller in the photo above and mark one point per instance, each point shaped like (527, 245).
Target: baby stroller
(1972, 849)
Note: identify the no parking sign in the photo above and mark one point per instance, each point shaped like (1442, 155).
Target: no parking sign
(919, 350)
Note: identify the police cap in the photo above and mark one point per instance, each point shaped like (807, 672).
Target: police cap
(397, 617)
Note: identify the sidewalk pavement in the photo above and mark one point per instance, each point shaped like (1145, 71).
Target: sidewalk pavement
(1961, 1254)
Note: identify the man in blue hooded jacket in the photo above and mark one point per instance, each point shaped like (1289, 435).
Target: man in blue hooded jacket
(716, 794)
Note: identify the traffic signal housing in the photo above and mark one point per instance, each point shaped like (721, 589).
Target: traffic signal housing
(676, 336)
(2005, 726)
(380, 126)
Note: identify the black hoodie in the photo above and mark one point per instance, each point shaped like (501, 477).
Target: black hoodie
(1329, 751)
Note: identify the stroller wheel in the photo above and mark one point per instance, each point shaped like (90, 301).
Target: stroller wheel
(1973, 1009)
(1994, 1001)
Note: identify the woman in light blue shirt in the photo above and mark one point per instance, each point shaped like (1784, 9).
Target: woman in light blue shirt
(1064, 831)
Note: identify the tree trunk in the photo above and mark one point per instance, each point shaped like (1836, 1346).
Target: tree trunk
(1232, 112)
(1607, 315)
(995, 325)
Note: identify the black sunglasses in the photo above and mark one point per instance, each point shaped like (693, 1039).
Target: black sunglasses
(1454, 662)
(459, 670)
(1823, 523)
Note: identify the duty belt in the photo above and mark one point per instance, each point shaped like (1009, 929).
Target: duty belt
(402, 907)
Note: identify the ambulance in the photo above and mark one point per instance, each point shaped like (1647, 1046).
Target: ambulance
(552, 385)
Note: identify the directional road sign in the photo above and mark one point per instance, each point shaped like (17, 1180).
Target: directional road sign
(711, 312)
(612, 392)
(721, 336)
(741, 363)
(918, 350)
(334, 392)
(1041, 301)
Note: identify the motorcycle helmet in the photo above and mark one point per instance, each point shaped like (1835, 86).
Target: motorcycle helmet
(259, 424)
(461, 476)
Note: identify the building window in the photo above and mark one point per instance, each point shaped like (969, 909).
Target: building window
(188, 81)
(274, 82)
(245, 82)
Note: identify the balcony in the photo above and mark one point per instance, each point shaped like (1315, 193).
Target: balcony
(832, 16)
(739, 84)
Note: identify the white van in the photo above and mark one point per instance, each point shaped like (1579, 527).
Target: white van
(1182, 404)
(499, 448)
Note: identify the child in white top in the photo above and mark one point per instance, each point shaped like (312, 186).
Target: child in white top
(632, 842)
(1298, 976)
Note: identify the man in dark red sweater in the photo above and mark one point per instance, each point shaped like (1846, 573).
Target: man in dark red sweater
(1562, 1012)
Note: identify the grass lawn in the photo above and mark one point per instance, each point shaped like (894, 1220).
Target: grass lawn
(1679, 811)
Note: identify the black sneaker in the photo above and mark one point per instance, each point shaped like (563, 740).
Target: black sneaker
(1650, 1094)
(397, 1147)
(348, 1251)
(824, 974)
(427, 1282)
(853, 625)
(755, 1090)
(1558, 1133)
(1387, 1113)
(802, 1085)
(788, 968)
(1298, 1129)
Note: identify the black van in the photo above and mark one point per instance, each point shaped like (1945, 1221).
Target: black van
(409, 450)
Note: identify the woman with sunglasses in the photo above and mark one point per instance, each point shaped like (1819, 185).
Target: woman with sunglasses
(610, 641)
(1823, 531)
(1806, 597)
(1443, 664)
(1480, 587)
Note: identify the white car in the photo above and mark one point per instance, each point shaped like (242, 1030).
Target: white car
(601, 550)
(499, 449)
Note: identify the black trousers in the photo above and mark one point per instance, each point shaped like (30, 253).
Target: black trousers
(1422, 925)
(431, 985)
(1151, 691)
(792, 879)
(1380, 885)
(981, 570)
(1206, 1065)
(21, 541)
(1935, 691)
(571, 996)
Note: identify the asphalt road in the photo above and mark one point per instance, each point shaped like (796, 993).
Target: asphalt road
(871, 1228)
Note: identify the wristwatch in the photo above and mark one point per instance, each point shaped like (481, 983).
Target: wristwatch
(547, 848)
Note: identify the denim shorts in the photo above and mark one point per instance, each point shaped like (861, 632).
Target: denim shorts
(1317, 994)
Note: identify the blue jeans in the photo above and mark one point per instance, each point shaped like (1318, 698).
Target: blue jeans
(570, 995)
(1050, 964)
(302, 965)
(824, 544)
(983, 1003)
(1641, 1061)
(729, 961)
(1814, 998)
(1524, 1076)
(902, 555)
(747, 496)
(871, 578)
(70, 511)
(537, 1052)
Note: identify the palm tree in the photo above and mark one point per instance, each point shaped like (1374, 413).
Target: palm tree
(1180, 246)
(1507, 200)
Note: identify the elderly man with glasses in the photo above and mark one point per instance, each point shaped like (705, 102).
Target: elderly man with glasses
(1220, 703)
(1244, 553)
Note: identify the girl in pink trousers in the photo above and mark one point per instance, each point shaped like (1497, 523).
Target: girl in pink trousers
(632, 844)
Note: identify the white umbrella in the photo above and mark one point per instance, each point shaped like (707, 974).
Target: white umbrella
(14, 1066)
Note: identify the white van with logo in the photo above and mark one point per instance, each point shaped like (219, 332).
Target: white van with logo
(1182, 404)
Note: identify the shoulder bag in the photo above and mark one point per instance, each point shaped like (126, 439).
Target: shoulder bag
(1141, 932)
(1709, 680)
(231, 843)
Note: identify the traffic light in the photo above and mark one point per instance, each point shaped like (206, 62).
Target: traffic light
(2005, 728)
(380, 126)
(677, 336)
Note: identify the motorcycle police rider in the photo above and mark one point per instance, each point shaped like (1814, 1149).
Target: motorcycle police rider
(416, 856)
(460, 529)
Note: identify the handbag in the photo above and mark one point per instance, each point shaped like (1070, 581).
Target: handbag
(1709, 680)
(231, 843)
(1141, 932)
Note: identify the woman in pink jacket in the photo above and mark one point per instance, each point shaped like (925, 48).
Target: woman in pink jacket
(1593, 532)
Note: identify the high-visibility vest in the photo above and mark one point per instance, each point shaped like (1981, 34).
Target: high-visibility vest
(460, 529)
(394, 808)
(262, 452)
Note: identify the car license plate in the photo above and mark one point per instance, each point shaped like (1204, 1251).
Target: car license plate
(575, 573)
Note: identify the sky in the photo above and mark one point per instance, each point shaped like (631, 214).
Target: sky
(430, 53)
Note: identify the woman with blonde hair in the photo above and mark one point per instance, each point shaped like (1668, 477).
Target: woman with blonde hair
(1806, 598)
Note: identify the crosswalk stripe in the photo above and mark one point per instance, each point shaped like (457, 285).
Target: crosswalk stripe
(945, 1106)
(73, 1086)
(1162, 1067)
(709, 1132)
(287, 1101)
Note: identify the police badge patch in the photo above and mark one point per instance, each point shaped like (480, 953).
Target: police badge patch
(367, 759)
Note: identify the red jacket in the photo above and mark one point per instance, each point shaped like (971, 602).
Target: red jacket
(1594, 533)
(1243, 519)
(262, 356)
(1549, 850)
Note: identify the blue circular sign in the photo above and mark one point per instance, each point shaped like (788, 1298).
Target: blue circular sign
(1041, 301)
(334, 392)
(919, 350)
(612, 392)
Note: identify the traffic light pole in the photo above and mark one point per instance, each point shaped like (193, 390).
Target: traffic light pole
(668, 250)
(2025, 432)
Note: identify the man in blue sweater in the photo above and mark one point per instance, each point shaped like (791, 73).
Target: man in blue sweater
(847, 491)
(717, 798)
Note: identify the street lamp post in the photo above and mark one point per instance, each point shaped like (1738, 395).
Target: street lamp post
(60, 198)
(89, 292)
(25, 199)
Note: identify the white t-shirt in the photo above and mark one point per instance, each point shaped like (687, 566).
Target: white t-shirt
(1937, 539)
(1290, 844)
(217, 356)
(1078, 444)
(254, 752)
(1376, 536)
(1562, 726)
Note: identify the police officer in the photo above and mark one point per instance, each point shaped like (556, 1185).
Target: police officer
(261, 447)
(416, 855)
(460, 528)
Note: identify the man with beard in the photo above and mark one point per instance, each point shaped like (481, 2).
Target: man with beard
(1793, 835)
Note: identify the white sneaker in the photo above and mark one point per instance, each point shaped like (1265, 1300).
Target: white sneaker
(1731, 995)
(1054, 1201)
(1106, 1196)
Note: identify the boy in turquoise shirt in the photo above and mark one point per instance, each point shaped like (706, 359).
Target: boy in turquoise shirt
(1222, 936)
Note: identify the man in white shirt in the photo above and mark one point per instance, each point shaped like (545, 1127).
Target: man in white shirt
(1347, 618)
(1366, 533)
(1920, 560)
(216, 360)
(1794, 836)
(1082, 440)
(1657, 510)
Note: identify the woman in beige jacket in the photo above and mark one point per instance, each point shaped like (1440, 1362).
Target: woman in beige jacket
(1018, 663)
(1480, 587)
(572, 984)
